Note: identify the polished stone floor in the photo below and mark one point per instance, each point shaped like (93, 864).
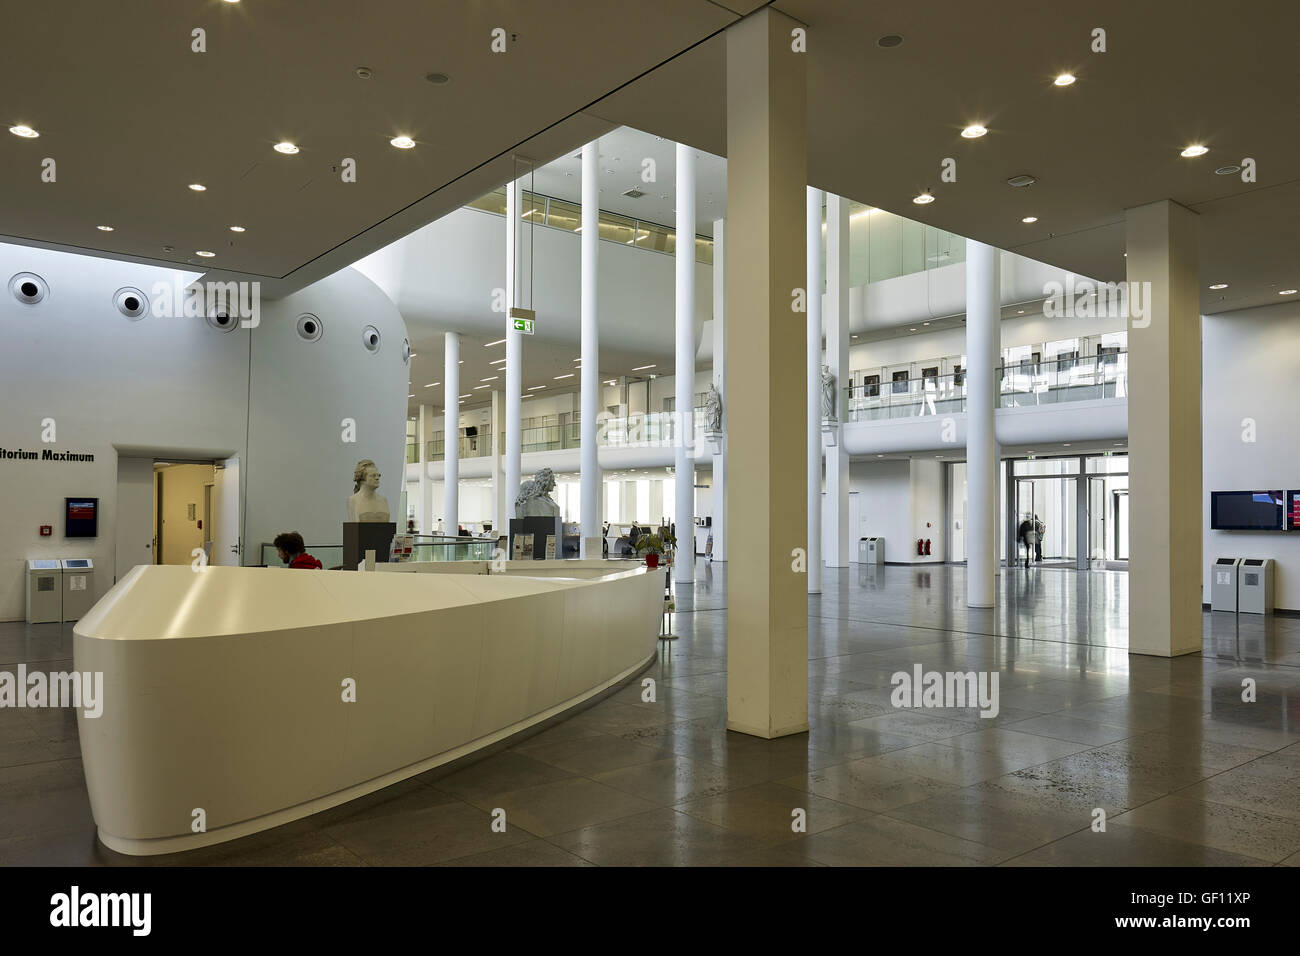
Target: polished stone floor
(1184, 771)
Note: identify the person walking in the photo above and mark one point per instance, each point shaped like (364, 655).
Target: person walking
(1031, 542)
(1040, 530)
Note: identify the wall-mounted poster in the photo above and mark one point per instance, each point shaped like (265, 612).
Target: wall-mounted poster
(81, 518)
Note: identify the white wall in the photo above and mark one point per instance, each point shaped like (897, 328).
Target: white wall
(179, 388)
(1250, 372)
(885, 491)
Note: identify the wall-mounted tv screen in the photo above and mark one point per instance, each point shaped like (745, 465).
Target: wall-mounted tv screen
(1247, 510)
(1293, 509)
(81, 518)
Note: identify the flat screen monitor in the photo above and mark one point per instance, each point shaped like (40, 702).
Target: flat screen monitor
(81, 518)
(1293, 509)
(1248, 511)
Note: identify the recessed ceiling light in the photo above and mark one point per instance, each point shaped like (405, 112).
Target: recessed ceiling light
(1228, 170)
(973, 132)
(465, 396)
(437, 78)
(488, 345)
(1195, 150)
(1020, 311)
(198, 187)
(533, 388)
(642, 368)
(490, 379)
(287, 148)
(924, 198)
(1219, 285)
(432, 384)
(497, 361)
(1287, 292)
(402, 142)
(236, 228)
(26, 132)
(1029, 219)
(890, 40)
(104, 228)
(925, 323)
(567, 375)
(205, 254)
(364, 72)
(911, 330)
(1065, 79)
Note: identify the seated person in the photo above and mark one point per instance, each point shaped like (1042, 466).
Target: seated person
(293, 552)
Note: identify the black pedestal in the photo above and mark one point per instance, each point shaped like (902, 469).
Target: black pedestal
(362, 536)
(540, 529)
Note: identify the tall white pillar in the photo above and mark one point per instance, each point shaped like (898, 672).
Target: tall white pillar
(450, 431)
(813, 356)
(1164, 430)
(591, 476)
(767, 144)
(983, 334)
(514, 358)
(423, 513)
(684, 369)
(835, 548)
(720, 383)
(500, 493)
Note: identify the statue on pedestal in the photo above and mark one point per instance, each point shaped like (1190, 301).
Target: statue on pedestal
(829, 403)
(365, 504)
(534, 498)
(713, 411)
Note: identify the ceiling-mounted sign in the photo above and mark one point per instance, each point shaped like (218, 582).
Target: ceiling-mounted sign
(522, 320)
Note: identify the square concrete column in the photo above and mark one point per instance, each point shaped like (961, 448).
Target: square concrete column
(767, 616)
(1164, 430)
(835, 543)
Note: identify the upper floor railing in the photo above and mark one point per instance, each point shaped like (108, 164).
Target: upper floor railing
(1040, 383)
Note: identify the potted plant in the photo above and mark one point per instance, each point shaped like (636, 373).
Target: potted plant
(655, 544)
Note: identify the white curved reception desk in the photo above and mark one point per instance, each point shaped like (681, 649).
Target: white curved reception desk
(238, 699)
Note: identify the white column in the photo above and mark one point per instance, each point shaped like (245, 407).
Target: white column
(499, 490)
(1164, 430)
(423, 513)
(813, 285)
(591, 476)
(983, 312)
(767, 616)
(720, 383)
(514, 357)
(450, 431)
(684, 405)
(835, 549)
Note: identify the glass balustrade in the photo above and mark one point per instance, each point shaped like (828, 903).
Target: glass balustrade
(426, 547)
(1052, 382)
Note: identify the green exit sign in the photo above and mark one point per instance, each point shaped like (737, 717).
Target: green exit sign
(521, 320)
(523, 325)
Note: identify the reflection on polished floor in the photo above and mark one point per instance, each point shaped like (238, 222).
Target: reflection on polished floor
(1185, 771)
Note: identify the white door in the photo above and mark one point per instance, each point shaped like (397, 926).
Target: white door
(134, 535)
(225, 514)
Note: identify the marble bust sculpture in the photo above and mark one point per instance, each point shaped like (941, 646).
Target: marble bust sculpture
(534, 498)
(366, 504)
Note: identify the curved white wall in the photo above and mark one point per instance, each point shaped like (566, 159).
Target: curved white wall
(176, 385)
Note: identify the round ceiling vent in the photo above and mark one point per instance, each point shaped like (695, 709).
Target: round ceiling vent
(890, 40)
(222, 320)
(406, 351)
(28, 288)
(131, 302)
(1227, 170)
(370, 338)
(310, 328)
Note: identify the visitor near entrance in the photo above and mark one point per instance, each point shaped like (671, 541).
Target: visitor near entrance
(293, 552)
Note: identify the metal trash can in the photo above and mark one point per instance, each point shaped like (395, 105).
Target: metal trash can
(1223, 584)
(871, 551)
(78, 587)
(44, 591)
(1255, 587)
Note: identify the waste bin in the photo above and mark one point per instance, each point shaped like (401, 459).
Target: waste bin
(871, 550)
(1255, 587)
(78, 587)
(1223, 584)
(44, 591)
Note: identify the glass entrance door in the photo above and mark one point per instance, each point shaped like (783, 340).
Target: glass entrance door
(1051, 502)
(1108, 512)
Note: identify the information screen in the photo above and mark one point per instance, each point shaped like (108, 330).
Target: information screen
(1293, 497)
(1247, 511)
(82, 518)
